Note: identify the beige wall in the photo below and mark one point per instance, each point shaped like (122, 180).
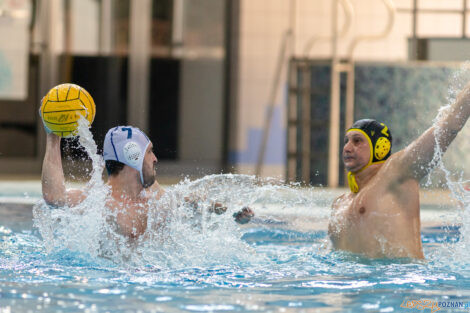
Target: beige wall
(262, 23)
(85, 27)
(201, 86)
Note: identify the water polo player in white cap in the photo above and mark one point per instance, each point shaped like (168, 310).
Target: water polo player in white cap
(130, 162)
(126, 145)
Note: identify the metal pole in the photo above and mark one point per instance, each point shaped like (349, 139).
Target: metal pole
(177, 28)
(231, 79)
(464, 19)
(414, 42)
(333, 149)
(292, 25)
(48, 13)
(350, 96)
(66, 73)
(139, 62)
(306, 128)
(105, 44)
(292, 118)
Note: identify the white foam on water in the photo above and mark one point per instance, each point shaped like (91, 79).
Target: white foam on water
(457, 254)
(80, 228)
(178, 233)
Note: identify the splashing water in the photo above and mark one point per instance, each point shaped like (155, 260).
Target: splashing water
(191, 260)
(178, 234)
(458, 253)
(79, 228)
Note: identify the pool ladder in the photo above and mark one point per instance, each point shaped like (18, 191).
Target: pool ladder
(338, 66)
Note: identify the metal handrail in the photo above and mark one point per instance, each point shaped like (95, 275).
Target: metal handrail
(391, 19)
(435, 11)
(349, 13)
(272, 96)
(287, 39)
(350, 79)
(336, 68)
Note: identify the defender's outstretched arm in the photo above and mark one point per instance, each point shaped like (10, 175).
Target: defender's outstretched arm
(53, 181)
(416, 158)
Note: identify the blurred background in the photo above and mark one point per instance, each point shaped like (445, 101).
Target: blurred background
(242, 86)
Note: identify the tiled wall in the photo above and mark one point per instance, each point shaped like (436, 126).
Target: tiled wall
(262, 24)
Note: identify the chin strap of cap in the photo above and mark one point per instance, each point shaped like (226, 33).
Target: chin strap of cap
(353, 183)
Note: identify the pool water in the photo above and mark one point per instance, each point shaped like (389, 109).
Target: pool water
(73, 260)
(282, 262)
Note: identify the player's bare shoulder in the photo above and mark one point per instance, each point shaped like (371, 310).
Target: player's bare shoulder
(393, 162)
(396, 177)
(393, 170)
(340, 201)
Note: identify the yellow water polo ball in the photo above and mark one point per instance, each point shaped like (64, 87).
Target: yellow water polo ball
(62, 106)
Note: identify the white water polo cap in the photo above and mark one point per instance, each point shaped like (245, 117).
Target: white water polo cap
(126, 144)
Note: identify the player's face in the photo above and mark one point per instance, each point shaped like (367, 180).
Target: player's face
(149, 167)
(356, 151)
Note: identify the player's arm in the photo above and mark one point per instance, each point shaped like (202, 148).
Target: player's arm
(241, 217)
(415, 160)
(53, 181)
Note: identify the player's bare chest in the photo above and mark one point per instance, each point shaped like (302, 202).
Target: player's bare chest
(353, 221)
(131, 218)
(353, 207)
(357, 213)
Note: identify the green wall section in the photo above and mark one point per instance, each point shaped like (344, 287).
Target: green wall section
(405, 96)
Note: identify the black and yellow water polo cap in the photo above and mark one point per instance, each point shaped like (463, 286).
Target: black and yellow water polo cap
(380, 143)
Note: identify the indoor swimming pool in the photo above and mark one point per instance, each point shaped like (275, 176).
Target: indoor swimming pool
(281, 262)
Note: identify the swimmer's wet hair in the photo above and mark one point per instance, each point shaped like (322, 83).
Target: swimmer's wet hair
(113, 167)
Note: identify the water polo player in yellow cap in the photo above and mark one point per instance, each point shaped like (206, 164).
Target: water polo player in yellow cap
(379, 218)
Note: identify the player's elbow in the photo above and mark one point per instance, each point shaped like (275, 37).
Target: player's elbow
(52, 199)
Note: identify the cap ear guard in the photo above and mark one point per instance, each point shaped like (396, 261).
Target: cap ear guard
(132, 153)
(382, 148)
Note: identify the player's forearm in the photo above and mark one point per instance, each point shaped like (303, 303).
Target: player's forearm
(53, 182)
(449, 122)
(454, 117)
